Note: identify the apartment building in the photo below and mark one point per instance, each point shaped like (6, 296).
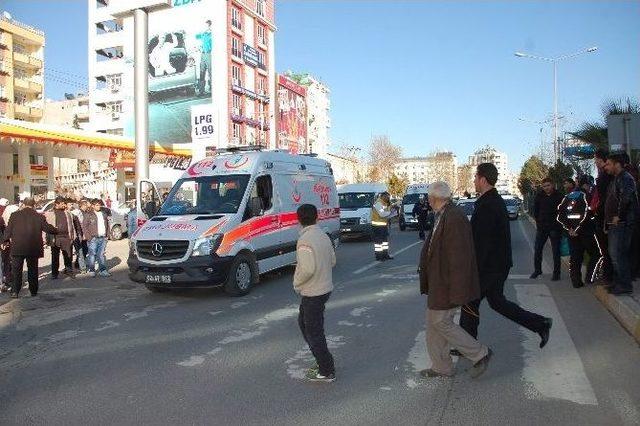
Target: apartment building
(489, 154)
(73, 111)
(21, 70)
(429, 169)
(207, 57)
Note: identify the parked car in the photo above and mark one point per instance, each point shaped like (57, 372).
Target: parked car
(513, 207)
(117, 224)
(44, 206)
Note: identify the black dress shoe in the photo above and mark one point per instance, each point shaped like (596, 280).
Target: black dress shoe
(578, 285)
(545, 332)
(34, 294)
(388, 258)
(535, 275)
(618, 291)
(54, 277)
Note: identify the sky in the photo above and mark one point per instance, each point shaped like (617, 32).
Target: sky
(430, 75)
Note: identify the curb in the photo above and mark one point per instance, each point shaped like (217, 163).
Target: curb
(624, 308)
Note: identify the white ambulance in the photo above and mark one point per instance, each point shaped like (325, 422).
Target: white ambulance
(229, 219)
(410, 199)
(356, 201)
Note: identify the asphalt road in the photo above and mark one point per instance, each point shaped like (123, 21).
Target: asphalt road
(106, 351)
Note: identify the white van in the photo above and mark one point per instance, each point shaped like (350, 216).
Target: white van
(356, 201)
(410, 199)
(229, 219)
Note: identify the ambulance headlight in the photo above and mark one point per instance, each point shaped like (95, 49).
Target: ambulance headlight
(207, 245)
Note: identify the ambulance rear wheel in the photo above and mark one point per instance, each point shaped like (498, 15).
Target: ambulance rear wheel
(243, 273)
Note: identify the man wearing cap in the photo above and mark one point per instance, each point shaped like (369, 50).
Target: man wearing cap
(24, 234)
(449, 276)
(578, 220)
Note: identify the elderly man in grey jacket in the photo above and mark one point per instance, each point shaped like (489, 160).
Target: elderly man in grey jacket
(313, 280)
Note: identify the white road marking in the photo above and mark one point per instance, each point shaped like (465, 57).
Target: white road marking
(107, 325)
(386, 292)
(555, 371)
(347, 323)
(356, 312)
(69, 334)
(372, 264)
(238, 305)
(193, 361)
(518, 277)
(215, 313)
(145, 312)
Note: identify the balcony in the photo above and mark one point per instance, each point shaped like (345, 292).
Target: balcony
(28, 113)
(107, 67)
(107, 94)
(110, 39)
(27, 86)
(28, 61)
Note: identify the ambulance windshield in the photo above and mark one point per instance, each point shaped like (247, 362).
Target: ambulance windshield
(356, 200)
(206, 195)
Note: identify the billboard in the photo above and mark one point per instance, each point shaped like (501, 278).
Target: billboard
(291, 115)
(180, 70)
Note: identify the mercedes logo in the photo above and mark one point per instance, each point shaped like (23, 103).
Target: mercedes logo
(156, 249)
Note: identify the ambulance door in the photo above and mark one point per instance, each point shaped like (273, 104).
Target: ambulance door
(262, 222)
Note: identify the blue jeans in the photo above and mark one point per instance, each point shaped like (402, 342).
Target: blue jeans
(97, 247)
(620, 237)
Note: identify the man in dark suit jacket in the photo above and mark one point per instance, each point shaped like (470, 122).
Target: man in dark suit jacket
(492, 241)
(24, 232)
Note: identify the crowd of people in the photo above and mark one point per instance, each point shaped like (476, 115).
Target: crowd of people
(76, 229)
(601, 221)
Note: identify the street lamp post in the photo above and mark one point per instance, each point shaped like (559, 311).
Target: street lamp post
(555, 61)
(541, 124)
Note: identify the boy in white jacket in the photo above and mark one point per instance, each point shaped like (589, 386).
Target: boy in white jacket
(313, 280)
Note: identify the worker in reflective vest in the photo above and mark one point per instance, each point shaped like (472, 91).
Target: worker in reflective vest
(578, 220)
(381, 213)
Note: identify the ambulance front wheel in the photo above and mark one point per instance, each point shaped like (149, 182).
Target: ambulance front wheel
(243, 273)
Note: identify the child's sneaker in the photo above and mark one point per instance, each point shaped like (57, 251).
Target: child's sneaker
(315, 376)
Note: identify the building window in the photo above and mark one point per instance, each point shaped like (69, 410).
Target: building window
(114, 82)
(20, 48)
(262, 85)
(260, 8)
(235, 18)
(15, 164)
(262, 60)
(237, 102)
(235, 47)
(262, 35)
(20, 98)
(236, 74)
(236, 131)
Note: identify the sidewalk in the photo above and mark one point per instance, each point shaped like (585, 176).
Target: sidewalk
(53, 293)
(626, 308)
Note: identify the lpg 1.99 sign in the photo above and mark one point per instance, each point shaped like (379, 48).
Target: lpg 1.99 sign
(202, 122)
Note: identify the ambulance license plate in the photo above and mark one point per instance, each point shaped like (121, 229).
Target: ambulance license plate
(158, 279)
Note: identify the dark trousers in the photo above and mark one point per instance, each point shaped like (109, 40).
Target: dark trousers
(311, 322)
(606, 268)
(381, 242)
(577, 247)
(620, 237)
(17, 262)
(81, 249)
(492, 286)
(542, 235)
(6, 266)
(55, 260)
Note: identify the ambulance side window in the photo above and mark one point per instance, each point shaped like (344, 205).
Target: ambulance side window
(261, 197)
